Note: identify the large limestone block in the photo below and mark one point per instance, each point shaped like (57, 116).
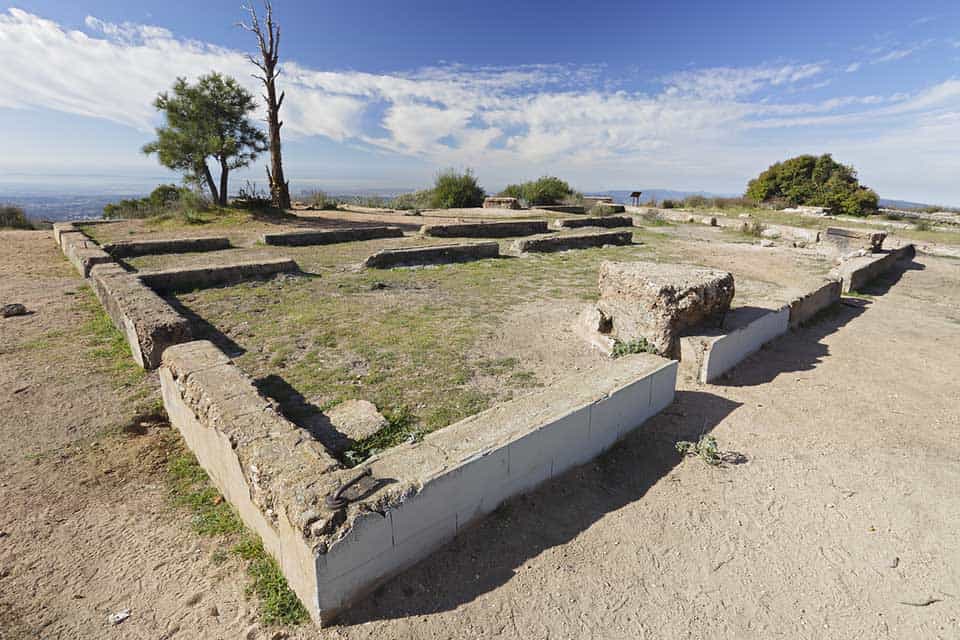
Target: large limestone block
(660, 301)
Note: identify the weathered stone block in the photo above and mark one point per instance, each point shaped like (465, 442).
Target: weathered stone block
(436, 254)
(500, 202)
(508, 229)
(133, 248)
(850, 239)
(548, 244)
(660, 301)
(594, 221)
(330, 236)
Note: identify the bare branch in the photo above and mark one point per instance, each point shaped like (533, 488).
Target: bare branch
(283, 94)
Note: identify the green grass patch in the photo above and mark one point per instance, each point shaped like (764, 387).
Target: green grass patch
(106, 344)
(638, 345)
(211, 515)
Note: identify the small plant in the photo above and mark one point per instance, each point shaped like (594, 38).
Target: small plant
(278, 604)
(637, 345)
(705, 448)
(922, 225)
(252, 197)
(320, 200)
(669, 204)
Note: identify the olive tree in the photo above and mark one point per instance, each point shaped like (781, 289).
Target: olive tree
(207, 122)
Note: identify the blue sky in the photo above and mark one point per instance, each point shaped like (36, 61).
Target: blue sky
(687, 95)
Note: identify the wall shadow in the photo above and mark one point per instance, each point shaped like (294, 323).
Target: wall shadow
(797, 350)
(487, 555)
(203, 330)
(885, 281)
(300, 411)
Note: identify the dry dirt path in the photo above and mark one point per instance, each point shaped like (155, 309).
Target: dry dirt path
(844, 522)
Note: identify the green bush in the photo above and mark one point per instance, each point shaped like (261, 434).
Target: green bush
(413, 201)
(166, 198)
(669, 204)
(13, 217)
(817, 181)
(453, 190)
(545, 190)
(320, 200)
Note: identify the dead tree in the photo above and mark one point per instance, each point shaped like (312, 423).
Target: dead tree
(268, 40)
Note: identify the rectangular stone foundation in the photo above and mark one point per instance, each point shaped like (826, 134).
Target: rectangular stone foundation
(807, 306)
(330, 236)
(573, 241)
(437, 254)
(134, 248)
(709, 356)
(423, 493)
(180, 279)
(485, 229)
(149, 324)
(859, 272)
(596, 221)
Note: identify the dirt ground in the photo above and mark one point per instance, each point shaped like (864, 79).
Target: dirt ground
(843, 521)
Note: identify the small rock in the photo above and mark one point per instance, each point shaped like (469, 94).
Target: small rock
(3, 534)
(14, 309)
(251, 632)
(118, 617)
(194, 599)
(895, 563)
(357, 419)
(766, 243)
(279, 635)
(213, 611)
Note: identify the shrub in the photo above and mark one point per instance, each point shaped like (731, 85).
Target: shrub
(453, 190)
(252, 197)
(166, 198)
(320, 200)
(817, 181)
(669, 204)
(544, 190)
(13, 217)
(413, 201)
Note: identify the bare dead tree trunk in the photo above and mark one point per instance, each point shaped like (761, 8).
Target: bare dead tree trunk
(269, 44)
(224, 176)
(210, 183)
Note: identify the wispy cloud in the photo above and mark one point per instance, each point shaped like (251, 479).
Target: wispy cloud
(853, 66)
(508, 121)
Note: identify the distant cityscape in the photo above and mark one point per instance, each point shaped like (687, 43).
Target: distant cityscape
(57, 207)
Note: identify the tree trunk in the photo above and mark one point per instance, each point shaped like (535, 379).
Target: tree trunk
(269, 44)
(210, 183)
(224, 173)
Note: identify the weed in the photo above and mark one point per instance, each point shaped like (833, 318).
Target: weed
(189, 486)
(399, 429)
(278, 604)
(107, 344)
(705, 448)
(922, 225)
(637, 345)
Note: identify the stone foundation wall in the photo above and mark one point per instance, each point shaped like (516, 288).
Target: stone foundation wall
(132, 249)
(180, 279)
(859, 272)
(807, 306)
(410, 499)
(578, 241)
(330, 236)
(594, 221)
(509, 229)
(438, 254)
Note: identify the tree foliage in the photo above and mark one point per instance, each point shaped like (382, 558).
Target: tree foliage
(13, 217)
(454, 190)
(207, 121)
(545, 190)
(818, 181)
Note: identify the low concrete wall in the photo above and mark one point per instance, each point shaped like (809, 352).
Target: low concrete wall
(418, 495)
(809, 305)
(149, 324)
(437, 254)
(859, 272)
(710, 356)
(509, 229)
(578, 241)
(134, 248)
(330, 236)
(560, 208)
(175, 279)
(594, 221)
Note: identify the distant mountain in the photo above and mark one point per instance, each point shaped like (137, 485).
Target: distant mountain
(887, 203)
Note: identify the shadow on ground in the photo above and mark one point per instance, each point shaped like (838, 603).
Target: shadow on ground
(488, 555)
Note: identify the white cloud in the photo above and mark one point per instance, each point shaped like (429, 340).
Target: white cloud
(698, 129)
(852, 67)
